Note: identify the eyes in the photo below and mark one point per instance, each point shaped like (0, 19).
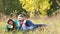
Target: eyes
(20, 18)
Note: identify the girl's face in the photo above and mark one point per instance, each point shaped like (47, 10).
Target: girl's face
(20, 19)
(11, 23)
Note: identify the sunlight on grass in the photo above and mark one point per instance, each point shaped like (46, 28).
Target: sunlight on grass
(53, 27)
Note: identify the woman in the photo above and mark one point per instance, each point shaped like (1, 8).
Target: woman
(25, 24)
(10, 25)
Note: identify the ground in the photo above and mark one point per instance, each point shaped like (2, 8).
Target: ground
(53, 26)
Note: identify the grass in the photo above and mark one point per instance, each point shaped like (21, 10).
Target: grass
(53, 26)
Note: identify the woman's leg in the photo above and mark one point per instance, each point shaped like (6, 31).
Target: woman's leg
(30, 27)
(24, 27)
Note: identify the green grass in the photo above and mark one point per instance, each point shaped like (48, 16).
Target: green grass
(53, 26)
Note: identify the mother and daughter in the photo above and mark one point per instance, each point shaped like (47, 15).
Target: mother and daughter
(21, 24)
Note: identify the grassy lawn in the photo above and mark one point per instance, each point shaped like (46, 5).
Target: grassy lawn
(53, 27)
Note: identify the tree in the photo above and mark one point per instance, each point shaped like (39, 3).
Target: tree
(12, 6)
(36, 5)
(55, 6)
(1, 6)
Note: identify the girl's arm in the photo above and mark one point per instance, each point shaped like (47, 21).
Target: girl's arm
(5, 27)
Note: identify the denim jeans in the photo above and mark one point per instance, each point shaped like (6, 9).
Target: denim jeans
(24, 27)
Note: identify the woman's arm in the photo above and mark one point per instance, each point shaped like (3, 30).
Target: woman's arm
(6, 27)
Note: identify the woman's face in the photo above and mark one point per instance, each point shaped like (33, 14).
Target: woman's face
(20, 19)
(11, 22)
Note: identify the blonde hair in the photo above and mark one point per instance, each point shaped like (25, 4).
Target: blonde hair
(20, 16)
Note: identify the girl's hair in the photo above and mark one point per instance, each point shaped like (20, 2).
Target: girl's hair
(9, 21)
(20, 15)
(12, 21)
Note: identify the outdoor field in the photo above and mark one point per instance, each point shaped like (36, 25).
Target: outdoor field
(53, 26)
(38, 11)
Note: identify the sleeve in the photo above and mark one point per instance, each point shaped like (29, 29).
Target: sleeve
(15, 22)
(5, 27)
(29, 22)
(16, 25)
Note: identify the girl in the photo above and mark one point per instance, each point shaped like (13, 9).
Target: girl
(10, 25)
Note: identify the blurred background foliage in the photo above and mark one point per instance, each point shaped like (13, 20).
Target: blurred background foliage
(29, 8)
(49, 10)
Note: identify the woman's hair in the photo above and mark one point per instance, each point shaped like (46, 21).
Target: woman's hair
(9, 21)
(20, 15)
(12, 21)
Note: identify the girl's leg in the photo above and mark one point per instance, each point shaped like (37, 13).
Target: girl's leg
(30, 27)
(24, 27)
